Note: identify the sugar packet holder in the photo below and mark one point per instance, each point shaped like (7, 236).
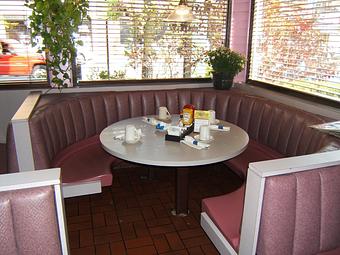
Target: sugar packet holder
(219, 128)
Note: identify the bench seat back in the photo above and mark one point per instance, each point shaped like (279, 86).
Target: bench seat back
(60, 120)
(301, 213)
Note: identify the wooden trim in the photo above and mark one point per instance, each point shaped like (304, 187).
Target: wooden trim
(29, 179)
(25, 110)
(20, 85)
(216, 236)
(295, 164)
(82, 188)
(59, 200)
(21, 132)
(251, 214)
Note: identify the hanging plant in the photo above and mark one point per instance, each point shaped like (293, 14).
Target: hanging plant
(56, 22)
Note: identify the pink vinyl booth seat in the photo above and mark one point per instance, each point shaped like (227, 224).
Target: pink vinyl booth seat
(31, 214)
(64, 128)
(291, 207)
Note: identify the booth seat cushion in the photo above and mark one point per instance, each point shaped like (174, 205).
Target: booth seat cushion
(85, 161)
(226, 212)
(254, 152)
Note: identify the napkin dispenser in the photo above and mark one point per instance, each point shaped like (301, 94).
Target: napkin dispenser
(176, 136)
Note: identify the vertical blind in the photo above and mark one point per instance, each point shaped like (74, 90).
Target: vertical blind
(296, 44)
(131, 39)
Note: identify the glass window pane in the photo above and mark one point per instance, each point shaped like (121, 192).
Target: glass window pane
(125, 39)
(131, 39)
(19, 61)
(296, 44)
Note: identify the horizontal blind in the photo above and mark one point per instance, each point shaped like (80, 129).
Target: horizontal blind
(20, 60)
(296, 45)
(131, 39)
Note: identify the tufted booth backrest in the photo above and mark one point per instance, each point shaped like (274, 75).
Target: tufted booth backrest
(301, 213)
(28, 222)
(60, 120)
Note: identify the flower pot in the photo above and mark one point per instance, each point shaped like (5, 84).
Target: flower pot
(222, 81)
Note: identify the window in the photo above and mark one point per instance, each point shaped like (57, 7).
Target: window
(296, 44)
(128, 39)
(18, 61)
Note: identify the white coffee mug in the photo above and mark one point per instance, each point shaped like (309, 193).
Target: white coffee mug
(163, 113)
(212, 116)
(131, 134)
(204, 133)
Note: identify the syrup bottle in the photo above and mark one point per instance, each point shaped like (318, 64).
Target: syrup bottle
(188, 114)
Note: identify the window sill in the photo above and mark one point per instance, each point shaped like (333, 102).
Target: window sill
(307, 103)
(115, 84)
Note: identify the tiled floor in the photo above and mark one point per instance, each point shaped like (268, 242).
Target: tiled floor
(133, 216)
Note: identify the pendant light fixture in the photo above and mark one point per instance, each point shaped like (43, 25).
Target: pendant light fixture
(181, 13)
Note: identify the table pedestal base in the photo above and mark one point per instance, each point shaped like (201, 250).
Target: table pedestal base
(174, 213)
(182, 191)
(151, 175)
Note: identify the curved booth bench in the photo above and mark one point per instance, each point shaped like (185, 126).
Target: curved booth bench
(288, 206)
(63, 129)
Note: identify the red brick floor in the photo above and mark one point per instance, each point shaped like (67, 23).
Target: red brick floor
(133, 216)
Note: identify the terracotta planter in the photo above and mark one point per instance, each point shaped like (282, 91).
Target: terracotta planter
(222, 81)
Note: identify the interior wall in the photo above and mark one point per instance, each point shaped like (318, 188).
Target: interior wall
(9, 103)
(309, 106)
(239, 34)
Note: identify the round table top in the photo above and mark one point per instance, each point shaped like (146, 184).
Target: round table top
(154, 150)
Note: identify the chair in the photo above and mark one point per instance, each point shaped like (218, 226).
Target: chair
(288, 206)
(32, 220)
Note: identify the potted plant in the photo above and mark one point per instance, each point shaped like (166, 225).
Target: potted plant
(56, 22)
(225, 65)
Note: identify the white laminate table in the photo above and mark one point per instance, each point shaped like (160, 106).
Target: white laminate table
(154, 150)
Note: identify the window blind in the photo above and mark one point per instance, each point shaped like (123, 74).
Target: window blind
(131, 39)
(18, 60)
(296, 44)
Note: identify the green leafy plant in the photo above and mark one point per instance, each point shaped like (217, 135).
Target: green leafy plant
(224, 60)
(117, 75)
(56, 22)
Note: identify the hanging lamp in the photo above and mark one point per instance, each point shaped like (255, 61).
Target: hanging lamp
(181, 13)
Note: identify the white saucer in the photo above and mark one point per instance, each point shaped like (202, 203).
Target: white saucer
(215, 122)
(197, 137)
(132, 142)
